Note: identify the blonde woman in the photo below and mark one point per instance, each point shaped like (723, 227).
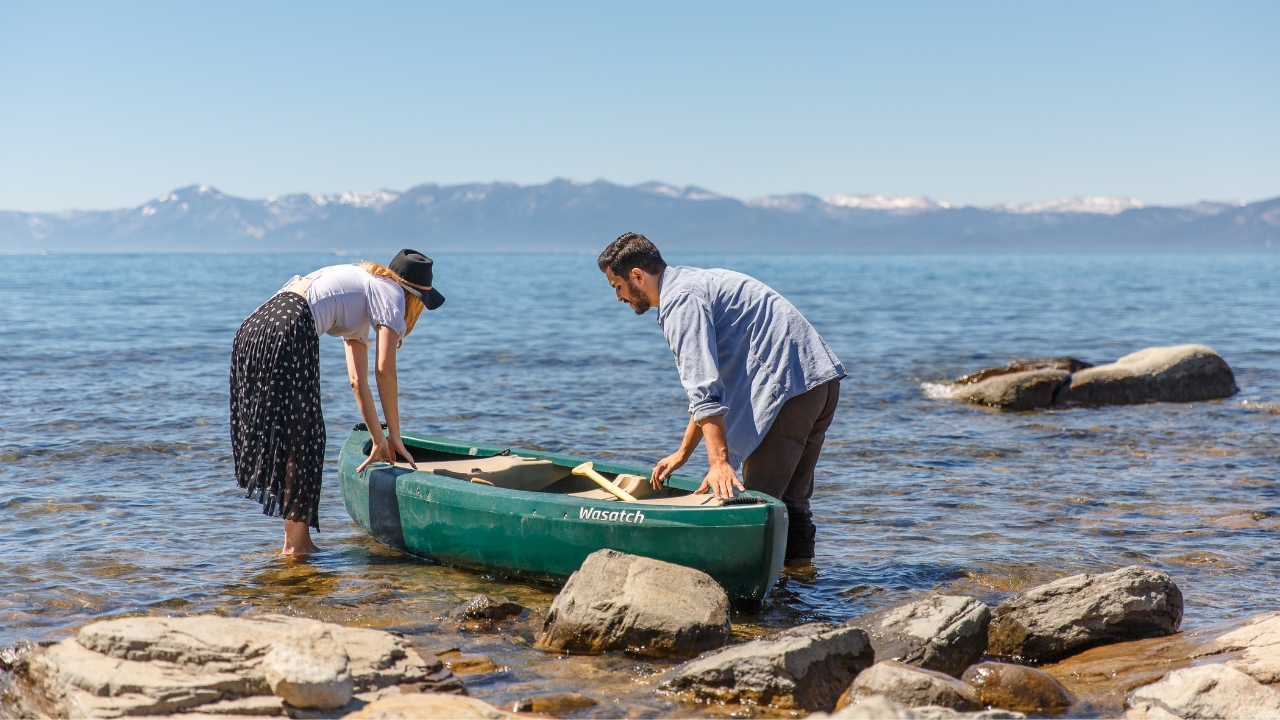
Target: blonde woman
(277, 431)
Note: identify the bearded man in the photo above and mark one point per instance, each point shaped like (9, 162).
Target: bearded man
(763, 386)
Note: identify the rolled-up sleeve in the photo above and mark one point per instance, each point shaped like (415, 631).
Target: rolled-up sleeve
(690, 332)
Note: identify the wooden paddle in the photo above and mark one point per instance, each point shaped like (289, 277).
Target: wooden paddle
(587, 469)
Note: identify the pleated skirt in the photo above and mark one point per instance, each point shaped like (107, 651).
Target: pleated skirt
(277, 430)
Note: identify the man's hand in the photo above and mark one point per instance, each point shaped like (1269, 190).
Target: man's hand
(665, 467)
(721, 481)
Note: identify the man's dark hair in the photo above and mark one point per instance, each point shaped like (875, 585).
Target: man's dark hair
(631, 250)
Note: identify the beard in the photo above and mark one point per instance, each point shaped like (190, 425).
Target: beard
(641, 303)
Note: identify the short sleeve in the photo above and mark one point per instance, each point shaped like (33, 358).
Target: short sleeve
(386, 305)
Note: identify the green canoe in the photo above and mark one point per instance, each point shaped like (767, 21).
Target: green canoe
(523, 513)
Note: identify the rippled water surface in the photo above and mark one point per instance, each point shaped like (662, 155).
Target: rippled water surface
(117, 495)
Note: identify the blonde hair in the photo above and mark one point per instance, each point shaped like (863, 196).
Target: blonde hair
(413, 307)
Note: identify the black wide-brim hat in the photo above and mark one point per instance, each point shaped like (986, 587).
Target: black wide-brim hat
(415, 269)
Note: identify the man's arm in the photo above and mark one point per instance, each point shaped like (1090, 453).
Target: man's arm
(676, 460)
(722, 479)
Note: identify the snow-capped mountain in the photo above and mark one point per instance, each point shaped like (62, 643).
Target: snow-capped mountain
(566, 215)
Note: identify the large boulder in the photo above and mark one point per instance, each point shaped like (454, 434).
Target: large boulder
(909, 686)
(158, 665)
(1018, 688)
(1073, 614)
(1181, 373)
(1207, 691)
(806, 668)
(617, 601)
(946, 633)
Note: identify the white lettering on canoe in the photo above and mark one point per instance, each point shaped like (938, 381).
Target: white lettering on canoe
(634, 518)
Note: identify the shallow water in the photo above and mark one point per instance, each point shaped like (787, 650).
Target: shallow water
(117, 496)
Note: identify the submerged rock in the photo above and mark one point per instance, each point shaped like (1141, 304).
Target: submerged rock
(617, 601)
(1181, 373)
(1207, 691)
(946, 633)
(909, 686)
(1073, 614)
(158, 665)
(482, 607)
(308, 668)
(1017, 687)
(806, 667)
(430, 705)
(553, 703)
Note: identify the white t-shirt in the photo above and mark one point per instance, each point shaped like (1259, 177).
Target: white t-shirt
(348, 302)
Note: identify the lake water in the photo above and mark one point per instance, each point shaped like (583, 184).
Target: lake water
(117, 495)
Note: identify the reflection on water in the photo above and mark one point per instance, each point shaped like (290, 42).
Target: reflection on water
(115, 478)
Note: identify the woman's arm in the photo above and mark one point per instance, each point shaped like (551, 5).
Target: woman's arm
(358, 374)
(388, 388)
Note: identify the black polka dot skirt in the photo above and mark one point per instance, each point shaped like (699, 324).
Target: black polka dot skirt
(277, 431)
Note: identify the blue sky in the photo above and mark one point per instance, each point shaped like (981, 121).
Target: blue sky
(108, 104)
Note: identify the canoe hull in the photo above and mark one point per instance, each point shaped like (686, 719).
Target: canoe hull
(546, 536)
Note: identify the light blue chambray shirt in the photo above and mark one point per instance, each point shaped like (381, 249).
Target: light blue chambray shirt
(741, 349)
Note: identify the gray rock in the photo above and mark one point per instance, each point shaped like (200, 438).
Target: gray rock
(1017, 687)
(1207, 691)
(159, 665)
(308, 669)
(483, 607)
(617, 601)
(1015, 391)
(909, 686)
(806, 667)
(946, 633)
(1181, 373)
(1067, 364)
(1073, 614)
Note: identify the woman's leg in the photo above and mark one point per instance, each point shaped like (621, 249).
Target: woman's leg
(297, 539)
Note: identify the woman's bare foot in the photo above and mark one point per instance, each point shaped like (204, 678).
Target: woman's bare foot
(297, 539)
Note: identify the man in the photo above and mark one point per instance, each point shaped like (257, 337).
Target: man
(763, 385)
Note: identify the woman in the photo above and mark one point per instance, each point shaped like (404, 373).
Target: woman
(277, 431)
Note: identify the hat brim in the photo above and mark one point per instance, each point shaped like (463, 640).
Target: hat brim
(431, 298)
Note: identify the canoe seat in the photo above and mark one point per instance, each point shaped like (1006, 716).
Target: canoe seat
(512, 472)
(690, 500)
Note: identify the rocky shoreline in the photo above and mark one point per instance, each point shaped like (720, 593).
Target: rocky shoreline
(1093, 645)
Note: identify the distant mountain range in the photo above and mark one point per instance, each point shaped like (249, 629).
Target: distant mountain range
(564, 215)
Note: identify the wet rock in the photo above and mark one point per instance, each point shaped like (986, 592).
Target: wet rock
(158, 665)
(1073, 614)
(617, 601)
(308, 668)
(1015, 391)
(14, 658)
(467, 663)
(909, 686)
(1207, 691)
(1180, 373)
(946, 633)
(483, 607)
(878, 707)
(429, 705)
(1065, 364)
(805, 667)
(553, 703)
(1017, 687)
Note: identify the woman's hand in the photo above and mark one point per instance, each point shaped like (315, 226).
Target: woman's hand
(387, 450)
(665, 467)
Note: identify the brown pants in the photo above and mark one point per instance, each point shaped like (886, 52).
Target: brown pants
(783, 464)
